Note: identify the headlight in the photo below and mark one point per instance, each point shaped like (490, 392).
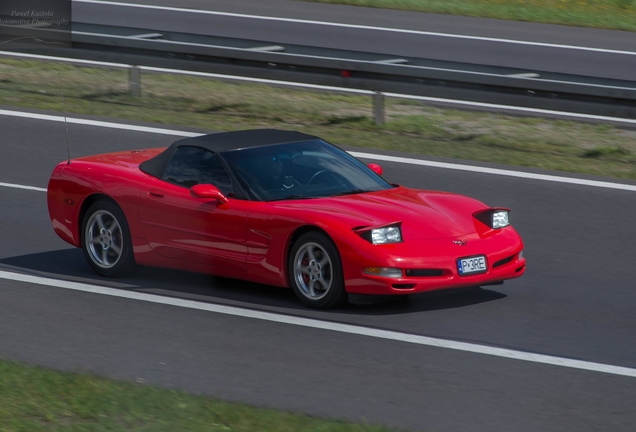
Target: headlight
(495, 218)
(390, 234)
(500, 219)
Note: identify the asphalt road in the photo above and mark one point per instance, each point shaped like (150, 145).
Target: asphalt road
(575, 301)
(481, 52)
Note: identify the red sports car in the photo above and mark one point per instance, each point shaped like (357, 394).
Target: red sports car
(280, 208)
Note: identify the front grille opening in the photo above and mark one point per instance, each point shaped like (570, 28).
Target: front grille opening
(403, 286)
(504, 261)
(424, 272)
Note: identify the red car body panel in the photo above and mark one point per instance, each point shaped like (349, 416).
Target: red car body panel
(251, 240)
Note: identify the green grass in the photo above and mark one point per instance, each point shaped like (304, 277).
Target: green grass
(411, 126)
(610, 14)
(33, 399)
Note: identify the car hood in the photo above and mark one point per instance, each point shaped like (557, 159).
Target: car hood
(424, 214)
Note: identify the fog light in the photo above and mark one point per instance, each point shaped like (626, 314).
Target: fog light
(384, 271)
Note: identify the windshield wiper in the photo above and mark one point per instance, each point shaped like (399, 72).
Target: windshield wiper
(291, 197)
(349, 192)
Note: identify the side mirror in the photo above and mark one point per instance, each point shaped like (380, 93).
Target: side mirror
(376, 168)
(208, 191)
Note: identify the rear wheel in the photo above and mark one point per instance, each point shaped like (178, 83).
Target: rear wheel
(315, 271)
(106, 240)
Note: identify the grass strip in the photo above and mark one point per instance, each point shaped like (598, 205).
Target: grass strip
(609, 14)
(411, 126)
(34, 399)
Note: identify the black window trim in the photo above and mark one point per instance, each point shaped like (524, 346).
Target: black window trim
(238, 191)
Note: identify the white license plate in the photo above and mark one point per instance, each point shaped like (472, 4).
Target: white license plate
(476, 264)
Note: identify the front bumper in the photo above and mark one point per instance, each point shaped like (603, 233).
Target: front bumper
(432, 265)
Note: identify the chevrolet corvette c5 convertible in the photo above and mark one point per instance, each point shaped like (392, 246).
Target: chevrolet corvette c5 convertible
(280, 208)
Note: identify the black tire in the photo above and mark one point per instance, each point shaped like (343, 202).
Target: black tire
(106, 241)
(315, 271)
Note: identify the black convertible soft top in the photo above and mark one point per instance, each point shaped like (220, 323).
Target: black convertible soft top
(223, 142)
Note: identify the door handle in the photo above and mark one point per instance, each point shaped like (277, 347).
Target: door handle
(155, 193)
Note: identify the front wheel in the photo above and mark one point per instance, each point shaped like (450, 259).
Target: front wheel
(315, 271)
(106, 240)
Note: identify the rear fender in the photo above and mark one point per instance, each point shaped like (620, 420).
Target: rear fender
(61, 209)
(73, 188)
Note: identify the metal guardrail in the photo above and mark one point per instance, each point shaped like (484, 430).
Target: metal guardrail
(354, 70)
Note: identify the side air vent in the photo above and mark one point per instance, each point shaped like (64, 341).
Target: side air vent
(504, 261)
(424, 272)
(403, 286)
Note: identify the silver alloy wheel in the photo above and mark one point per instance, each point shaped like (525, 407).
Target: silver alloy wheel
(104, 239)
(313, 271)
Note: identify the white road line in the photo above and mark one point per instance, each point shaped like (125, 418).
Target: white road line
(410, 161)
(357, 26)
(496, 171)
(109, 125)
(326, 325)
(290, 55)
(18, 186)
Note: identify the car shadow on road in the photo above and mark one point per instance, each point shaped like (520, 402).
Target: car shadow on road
(69, 264)
(423, 302)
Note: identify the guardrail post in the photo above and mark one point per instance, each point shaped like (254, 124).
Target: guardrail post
(134, 81)
(378, 108)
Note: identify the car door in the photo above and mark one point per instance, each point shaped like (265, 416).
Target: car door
(203, 230)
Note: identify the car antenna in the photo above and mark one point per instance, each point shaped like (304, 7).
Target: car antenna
(68, 147)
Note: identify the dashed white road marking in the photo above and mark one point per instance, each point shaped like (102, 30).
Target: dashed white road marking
(357, 26)
(325, 325)
(372, 156)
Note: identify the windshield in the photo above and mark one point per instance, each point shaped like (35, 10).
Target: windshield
(308, 169)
